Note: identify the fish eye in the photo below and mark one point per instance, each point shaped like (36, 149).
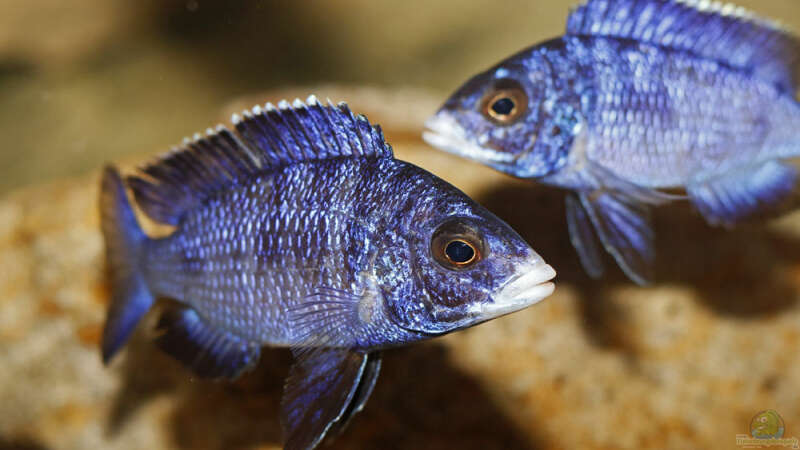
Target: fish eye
(457, 245)
(505, 103)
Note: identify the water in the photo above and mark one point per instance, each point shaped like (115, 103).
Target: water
(684, 364)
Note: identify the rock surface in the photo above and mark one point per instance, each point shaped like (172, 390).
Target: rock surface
(685, 363)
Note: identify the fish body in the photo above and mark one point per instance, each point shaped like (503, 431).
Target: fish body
(312, 224)
(637, 97)
(301, 230)
(663, 118)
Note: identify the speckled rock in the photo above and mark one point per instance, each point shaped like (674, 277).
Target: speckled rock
(685, 363)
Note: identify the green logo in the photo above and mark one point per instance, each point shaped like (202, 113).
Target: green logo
(767, 425)
(766, 430)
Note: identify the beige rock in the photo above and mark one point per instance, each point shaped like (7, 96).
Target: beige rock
(685, 363)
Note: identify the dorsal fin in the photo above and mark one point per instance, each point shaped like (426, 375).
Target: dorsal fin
(266, 138)
(713, 30)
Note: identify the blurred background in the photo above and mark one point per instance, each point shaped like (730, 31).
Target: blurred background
(686, 363)
(89, 81)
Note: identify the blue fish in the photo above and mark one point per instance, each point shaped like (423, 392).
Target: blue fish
(639, 103)
(299, 229)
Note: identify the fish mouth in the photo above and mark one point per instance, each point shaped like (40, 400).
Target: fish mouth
(530, 286)
(445, 133)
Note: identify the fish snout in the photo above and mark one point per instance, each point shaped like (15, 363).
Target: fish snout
(529, 286)
(443, 131)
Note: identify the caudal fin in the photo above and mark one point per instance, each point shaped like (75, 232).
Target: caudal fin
(124, 240)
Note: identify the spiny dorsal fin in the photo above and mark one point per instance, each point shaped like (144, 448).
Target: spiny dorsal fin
(266, 138)
(300, 132)
(713, 30)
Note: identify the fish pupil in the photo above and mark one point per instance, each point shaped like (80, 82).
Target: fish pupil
(503, 106)
(459, 252)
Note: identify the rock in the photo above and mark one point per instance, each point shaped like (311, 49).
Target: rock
(685, 363)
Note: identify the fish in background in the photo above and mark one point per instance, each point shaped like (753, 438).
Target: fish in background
(639, 97)
(299, 229)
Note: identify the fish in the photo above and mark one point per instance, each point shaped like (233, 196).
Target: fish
(640, 103)
(299, 229)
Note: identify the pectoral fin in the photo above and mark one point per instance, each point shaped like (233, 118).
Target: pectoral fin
(329, 317)
(623, 226)
(325, 388)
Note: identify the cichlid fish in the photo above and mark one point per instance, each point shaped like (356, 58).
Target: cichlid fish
(637, 97)
(299, 229)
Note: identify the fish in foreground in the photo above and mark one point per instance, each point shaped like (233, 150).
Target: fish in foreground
(639, 97)
(299, 229)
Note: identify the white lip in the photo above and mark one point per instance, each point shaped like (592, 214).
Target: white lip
(530, 287)
(447, 134)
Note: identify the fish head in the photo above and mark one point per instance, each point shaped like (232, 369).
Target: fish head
(461, 266)
(518, 118)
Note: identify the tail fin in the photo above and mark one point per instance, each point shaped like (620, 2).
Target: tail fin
(124, 240)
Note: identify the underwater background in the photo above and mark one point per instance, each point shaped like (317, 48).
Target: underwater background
(685, 363)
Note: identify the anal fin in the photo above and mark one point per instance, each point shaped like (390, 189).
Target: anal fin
(736, 194)
(207, 351)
